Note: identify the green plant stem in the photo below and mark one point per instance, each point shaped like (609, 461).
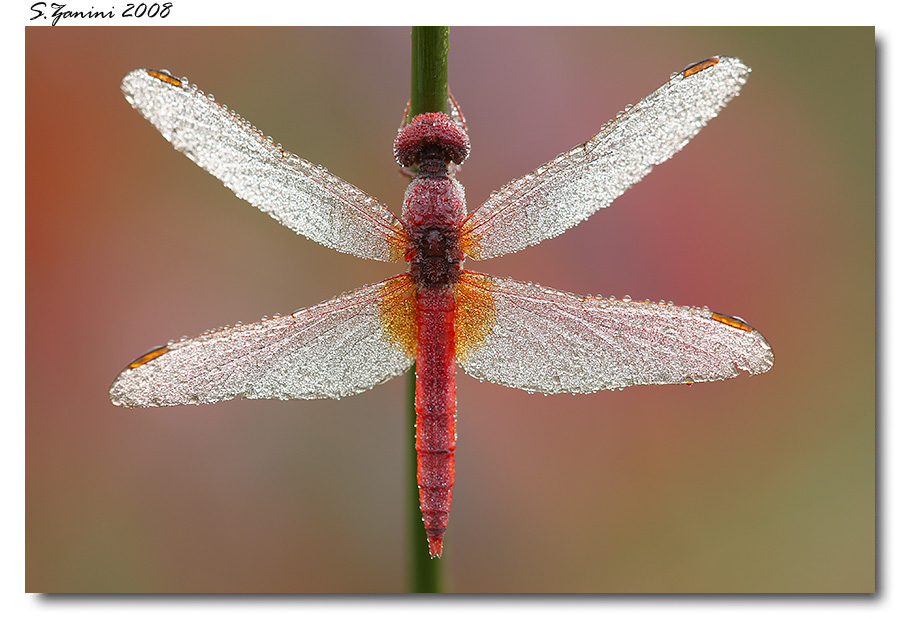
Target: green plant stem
(428, 86)
(428, 93)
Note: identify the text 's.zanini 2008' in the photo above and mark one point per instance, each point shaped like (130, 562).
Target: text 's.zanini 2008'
(437, 314)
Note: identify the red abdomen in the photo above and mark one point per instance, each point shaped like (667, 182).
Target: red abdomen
(435, 409)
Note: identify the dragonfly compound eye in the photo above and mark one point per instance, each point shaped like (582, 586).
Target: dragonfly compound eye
(432, 131)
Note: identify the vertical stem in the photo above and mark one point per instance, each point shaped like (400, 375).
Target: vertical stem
(428, 94)
(428, 86)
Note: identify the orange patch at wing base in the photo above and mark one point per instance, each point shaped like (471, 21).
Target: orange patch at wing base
(397, 311)
(399, 240)
(469, 241)
(475, 313)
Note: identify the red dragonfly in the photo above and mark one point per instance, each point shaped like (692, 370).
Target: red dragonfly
(437, 314)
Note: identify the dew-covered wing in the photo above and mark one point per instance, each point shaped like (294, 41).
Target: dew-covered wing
(539, 339)
(571, 187)
(303, 196)
(335, 349)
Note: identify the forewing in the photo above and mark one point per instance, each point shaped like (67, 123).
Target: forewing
(539, 339)
(335, 349)
(303, 196)
(571, 187)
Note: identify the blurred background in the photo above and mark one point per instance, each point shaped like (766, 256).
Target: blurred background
(759, 484)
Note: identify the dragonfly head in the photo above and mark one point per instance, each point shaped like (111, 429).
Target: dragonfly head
(431, 135)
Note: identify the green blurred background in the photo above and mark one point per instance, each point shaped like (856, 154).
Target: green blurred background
(762, 484)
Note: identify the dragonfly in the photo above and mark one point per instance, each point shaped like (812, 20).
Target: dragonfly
(437, 314)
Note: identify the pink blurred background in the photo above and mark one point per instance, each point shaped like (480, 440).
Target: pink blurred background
(756, 484)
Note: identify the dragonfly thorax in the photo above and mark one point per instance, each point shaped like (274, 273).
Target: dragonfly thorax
(436, 259)
(433, 211)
